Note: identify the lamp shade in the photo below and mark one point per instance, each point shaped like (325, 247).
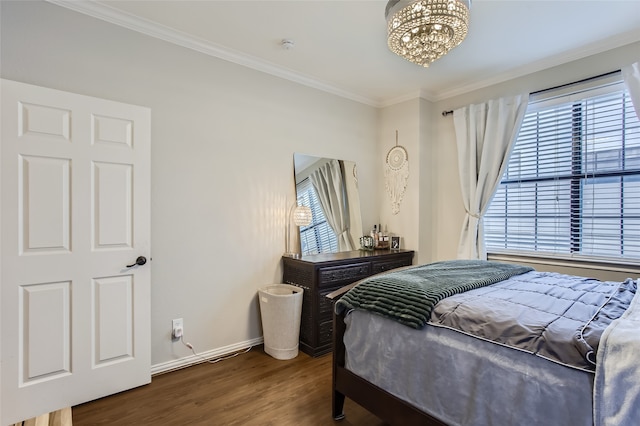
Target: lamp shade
(302, 216)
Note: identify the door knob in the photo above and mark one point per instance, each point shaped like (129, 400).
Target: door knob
(141, 260)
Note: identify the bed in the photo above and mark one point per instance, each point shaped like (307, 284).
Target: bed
(563, 356)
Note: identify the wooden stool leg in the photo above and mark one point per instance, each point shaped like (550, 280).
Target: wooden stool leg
(41, 420)
(61, 418)
(55, 418)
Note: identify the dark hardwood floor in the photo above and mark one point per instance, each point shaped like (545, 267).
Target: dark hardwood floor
(250, 389)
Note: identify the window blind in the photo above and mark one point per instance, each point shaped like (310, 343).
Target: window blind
(572, 184)
(318, 237)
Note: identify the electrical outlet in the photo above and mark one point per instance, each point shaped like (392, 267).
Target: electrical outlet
(177, 328)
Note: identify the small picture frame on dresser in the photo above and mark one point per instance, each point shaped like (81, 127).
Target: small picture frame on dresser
(395, 243)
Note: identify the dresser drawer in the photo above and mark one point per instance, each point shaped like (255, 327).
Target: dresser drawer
(325, 306)
(378, 267)
(325, 330)
(335, 276)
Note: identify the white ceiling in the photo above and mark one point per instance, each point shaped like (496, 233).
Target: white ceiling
(340, 46)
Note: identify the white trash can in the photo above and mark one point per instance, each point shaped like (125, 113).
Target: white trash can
(280, 309)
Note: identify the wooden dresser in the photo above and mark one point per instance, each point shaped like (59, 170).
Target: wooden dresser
(321, 274)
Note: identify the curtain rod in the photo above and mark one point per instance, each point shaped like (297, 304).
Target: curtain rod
(445, 113)
(607, 74)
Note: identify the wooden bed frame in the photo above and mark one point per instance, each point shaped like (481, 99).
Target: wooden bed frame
(386, 406)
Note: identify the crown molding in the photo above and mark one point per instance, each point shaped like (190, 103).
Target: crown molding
(117, 17)
(417, 94)
(544, 64)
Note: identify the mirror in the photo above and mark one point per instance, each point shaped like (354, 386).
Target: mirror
(330, 188)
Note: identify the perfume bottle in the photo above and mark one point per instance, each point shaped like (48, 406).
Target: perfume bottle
(385, 238)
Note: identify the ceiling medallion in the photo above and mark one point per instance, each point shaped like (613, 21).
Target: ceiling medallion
(424, 30)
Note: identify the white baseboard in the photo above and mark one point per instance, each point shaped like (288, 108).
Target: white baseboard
(190, 360)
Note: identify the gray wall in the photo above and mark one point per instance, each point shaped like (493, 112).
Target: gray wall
(223, 138)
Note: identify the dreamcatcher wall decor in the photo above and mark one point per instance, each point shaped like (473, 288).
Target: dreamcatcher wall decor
(396, 174)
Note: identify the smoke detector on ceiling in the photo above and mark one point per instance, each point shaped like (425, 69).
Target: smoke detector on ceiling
(287, 44)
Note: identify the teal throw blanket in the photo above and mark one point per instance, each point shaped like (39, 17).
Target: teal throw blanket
(409, 295)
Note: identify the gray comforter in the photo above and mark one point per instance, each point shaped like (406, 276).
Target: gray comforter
(555, 316)
(464, 381)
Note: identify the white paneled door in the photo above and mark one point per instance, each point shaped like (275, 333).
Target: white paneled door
(75, 306)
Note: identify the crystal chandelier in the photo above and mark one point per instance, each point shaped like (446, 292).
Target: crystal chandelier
(424, 30)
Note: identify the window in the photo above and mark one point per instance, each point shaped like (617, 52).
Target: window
(572, 184)
(318, 237)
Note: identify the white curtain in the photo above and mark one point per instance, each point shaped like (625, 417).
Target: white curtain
(485, 135)
(631, 76)
(329, 185)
